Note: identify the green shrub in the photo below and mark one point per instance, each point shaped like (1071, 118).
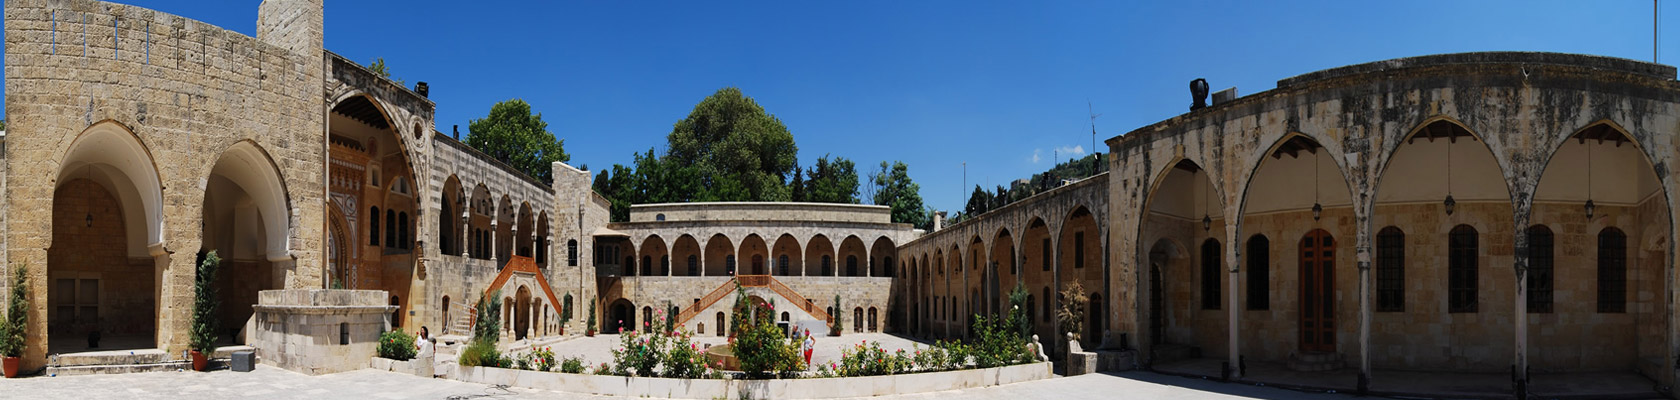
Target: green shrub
(572, 365)
(685, 360)
(203, 334)
(482, 353)
(396, 345)
(1071, 315)
(763, 348)
(17, 314)
(869, 359)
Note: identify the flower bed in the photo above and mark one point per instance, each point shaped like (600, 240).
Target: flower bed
(818, 388)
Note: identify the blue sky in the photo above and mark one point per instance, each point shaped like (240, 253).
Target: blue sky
(999, 85)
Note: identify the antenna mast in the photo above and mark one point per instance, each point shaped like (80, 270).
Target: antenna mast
(1092, 111)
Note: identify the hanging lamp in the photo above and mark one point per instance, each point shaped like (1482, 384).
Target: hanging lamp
(1317, 209)
(1590, 207)
(1207, 219)
(1450, 203)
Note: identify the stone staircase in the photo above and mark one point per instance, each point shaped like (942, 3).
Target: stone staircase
(131, 361)
(1316, 361)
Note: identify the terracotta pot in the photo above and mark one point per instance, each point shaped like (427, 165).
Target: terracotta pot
(10, 365)
(199, 361)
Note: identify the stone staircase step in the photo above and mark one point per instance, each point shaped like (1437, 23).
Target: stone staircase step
(122, 369)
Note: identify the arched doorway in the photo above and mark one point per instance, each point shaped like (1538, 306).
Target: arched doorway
(1318, 290)
(246, 222)
(108, 200)
(371, 185)
(1183, 227)
(623, 317)
(522, 313)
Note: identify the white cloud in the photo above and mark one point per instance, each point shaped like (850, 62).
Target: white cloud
(1066, 152)
(1037, 154)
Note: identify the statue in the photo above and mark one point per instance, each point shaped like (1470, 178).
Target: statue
(1199, 92)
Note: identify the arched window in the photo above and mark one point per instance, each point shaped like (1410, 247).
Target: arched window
(1612, 271)
(693, 265)
(851, 266)
(782, 265)
(729, 264)
(647, 265)
(1539, 269)
(647, 317)
(373, 226)
(1461, 269)
(402, 230)
(390, 228)
(445, 239)
(888, 261)
(571, 252)
(828, 267)
(1259, 273)
(445, 327)
(1391, 270)
(1210, 275)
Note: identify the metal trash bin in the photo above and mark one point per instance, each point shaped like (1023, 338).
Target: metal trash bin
(243, 361)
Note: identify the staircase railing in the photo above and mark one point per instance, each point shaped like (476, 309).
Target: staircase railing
(798, 301)
(705, 302)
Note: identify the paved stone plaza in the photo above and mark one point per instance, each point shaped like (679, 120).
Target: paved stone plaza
(274, 383)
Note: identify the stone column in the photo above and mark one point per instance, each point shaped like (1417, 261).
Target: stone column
(1232, 266)
(465, 239)
(1519, 257)
(493, 244)
(834, 266)
(1362, 254)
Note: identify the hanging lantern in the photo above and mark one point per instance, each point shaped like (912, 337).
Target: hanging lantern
(1450, 204)
(1207, 222)
(1318, 209)
(1590, 208)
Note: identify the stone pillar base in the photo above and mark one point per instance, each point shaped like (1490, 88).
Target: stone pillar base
(319, 331)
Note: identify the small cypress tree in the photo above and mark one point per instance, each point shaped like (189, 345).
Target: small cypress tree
(489, 324)
(17, 315)
(203, 335)
(839, 325)
(591, 327)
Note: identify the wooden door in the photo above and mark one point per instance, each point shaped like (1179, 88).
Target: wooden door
(1318, 288)
(1157, 305)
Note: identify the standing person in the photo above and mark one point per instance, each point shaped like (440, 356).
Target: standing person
(810, 344)
(426, 354)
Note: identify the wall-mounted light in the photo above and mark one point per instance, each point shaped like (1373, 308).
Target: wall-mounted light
(1317, 209)
(1449, 203)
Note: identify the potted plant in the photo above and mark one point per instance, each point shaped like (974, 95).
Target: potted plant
(203, 336)
(838, 321)
(16, 321)
(589, 330)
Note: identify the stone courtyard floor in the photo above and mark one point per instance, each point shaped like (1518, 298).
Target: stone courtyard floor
(273, 383)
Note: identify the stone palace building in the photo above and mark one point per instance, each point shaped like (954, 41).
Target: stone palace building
(1484, 212)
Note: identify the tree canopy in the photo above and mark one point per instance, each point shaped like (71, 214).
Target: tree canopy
(894, 188)
(832, 181)
(378, 67)
(512, 134)
(741, 153)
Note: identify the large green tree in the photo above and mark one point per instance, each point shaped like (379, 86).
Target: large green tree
(832, 181)
(894, 188)
(740, 152)
(514, 135)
